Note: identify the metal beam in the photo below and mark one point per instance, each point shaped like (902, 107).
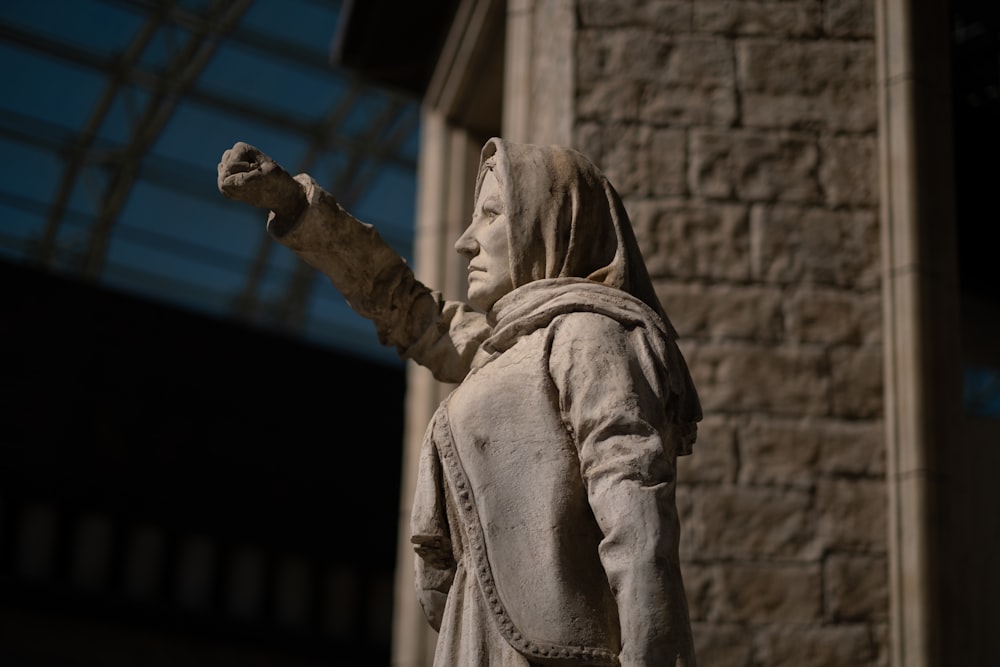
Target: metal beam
(185, 67)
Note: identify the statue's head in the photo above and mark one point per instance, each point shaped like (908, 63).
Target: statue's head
(560, 218)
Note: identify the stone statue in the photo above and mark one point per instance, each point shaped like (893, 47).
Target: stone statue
(544, 522)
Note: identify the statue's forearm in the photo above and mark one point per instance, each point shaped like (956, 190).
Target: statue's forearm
(378, 284)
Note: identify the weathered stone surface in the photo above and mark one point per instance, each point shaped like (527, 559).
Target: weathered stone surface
(699, 63)
(814, 245)
(724, 312)
(642, 171)
(722, 645)
(852, 448)
(847, 170)
(857, 384)
(810, 84)
(849, 18)
(680, 105)
(820, 315)
(715, 239)
(669, 16)
(779, 452)
(666, 148)
(754, 522)
(855, 587)
(637, 171)
(762, 593)
(609, 100)
(754, 166)
(657, 79)
(634, 53)
(733, 377)
(716, 459)
(792, 19)
(796, 451)
(700, 583)
(815, 646)
(852, 514)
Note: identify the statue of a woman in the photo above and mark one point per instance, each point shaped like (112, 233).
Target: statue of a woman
(544, 521)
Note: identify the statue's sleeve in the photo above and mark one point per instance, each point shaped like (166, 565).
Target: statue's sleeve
(379, 285)
(611, 398)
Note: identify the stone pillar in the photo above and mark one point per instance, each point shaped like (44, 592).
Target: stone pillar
(446, 175)
(923, 385)
(538, 71)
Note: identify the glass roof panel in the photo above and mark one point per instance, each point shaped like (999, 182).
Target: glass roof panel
(297, 21)
(97, 25)
(164, 47)
(123, 113)
(39, 86)
(240, 74)
(27, 173)
(113, 180)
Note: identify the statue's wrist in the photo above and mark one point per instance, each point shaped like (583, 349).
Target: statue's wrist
(284, 216)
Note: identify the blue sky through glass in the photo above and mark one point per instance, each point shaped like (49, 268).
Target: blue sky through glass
(111, 132)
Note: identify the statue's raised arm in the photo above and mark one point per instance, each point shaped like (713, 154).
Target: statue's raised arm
(376, 282)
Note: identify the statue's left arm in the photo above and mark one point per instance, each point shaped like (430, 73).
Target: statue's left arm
(611, 396)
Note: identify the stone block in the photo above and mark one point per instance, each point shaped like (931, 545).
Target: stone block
(700, 583)
(779, 452)
(687, 495)
(822, 315)
(808, 84)
(587, 140)
(664, 148)
(849, 18)
(714, 456)
(799, 245)
(698, 62)
(791, 19)
(638, 159)
(609, 99)
(754, 166)
(689, 240)
(669, 16)
(735, 377)
(857, 381)
(852, 448)
(722, 645)
(723, 311)
(632, 53)
(797, 452)
(663, 104)
(848, 171)
(695, 86)
(764, 593)
(754, 522)
(855, 587)
(805, 645)
(852, 514)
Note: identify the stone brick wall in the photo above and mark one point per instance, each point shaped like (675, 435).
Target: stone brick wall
(742, 136)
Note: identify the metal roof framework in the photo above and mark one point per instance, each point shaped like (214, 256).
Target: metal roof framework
(115, 116)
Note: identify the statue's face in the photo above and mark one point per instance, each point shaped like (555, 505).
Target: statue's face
(486, 247)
